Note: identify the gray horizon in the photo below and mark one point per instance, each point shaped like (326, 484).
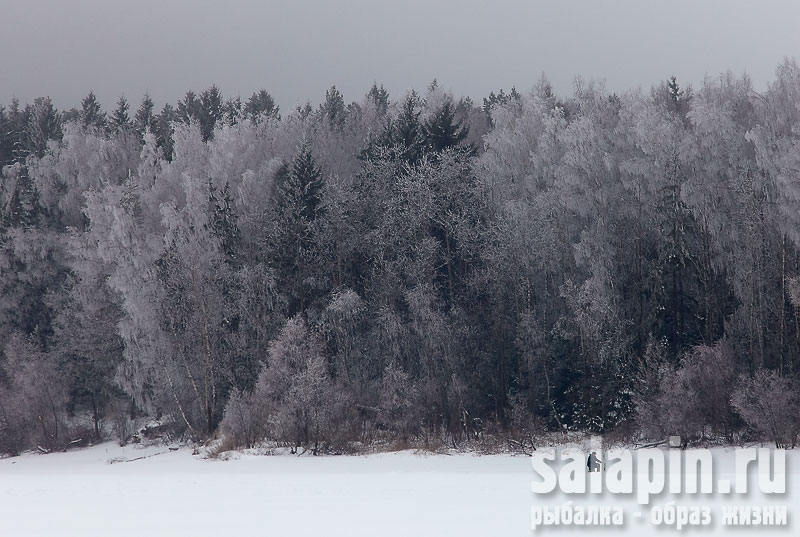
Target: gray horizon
(296, 50)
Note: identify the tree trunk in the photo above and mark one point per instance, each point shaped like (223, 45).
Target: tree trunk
(783, 304)
(449, 268)
(95, 416)
(174, 394)
(209, 389)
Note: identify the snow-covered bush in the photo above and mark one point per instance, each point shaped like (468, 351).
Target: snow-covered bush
(398, 410)
(12, 425)
(769, 404)
(244, 423)
(295, 400)
(691, 399)
(33, 402)
(525, 427)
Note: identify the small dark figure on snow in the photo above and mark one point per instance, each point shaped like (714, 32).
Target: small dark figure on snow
(593, 463)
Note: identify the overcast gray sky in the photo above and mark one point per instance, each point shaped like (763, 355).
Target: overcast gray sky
(297, 49)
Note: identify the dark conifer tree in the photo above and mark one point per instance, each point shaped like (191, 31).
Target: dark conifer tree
(162, 128)
(298, 204)
(442, 130)
(405, 134)
(261, 104)
(73, 115)
(380, 97)
(144, 120)
(44, 124)
(92, 115)
(333, 109)
(302, 189)
(211, 111)
(233, 110)
(17, 134)
(679, 99)
(120, 120)
(189, 108)
(23, 207)
(6, 140)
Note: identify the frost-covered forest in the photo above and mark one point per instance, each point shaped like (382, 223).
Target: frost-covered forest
(404, 270)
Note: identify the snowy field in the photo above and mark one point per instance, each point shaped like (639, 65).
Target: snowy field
(103, 491)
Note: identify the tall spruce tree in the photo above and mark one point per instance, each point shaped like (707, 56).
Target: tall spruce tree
(442, 130)
(212, 110)
(298, 204)
(120, 120)
(144, 120)
(92, 115)
(404, 136)
(44, 124)
(261, 105)
(379, 97)
(333, 109)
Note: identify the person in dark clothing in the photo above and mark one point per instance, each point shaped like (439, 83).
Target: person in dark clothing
(593, 463)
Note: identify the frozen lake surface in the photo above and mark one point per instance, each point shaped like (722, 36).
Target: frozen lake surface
(82, 493)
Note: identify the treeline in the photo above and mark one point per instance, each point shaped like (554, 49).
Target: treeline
(415, 270)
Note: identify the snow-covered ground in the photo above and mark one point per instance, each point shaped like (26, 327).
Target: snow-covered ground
(82, 493)
(174, 493)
